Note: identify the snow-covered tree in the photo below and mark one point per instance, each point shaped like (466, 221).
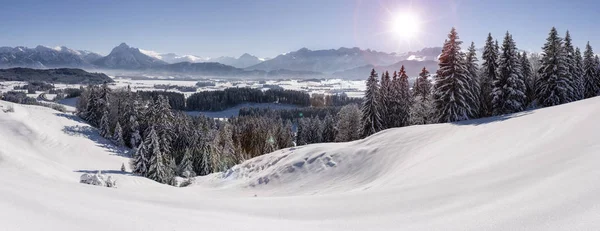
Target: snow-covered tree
(386, 99)
(140, 163)
(422, 86)
(451, 89)
(285, 135)
(328, 129)
(509, 87)
(226, 148)
(302, 131)
(348, 124)
(104, 125)
(185, 167)
(572, 73)
(590, 75)
(474, 83)
(554, 84)
(136, 137)
(578, 76)
(118, 135)
(160, 168)
(528, 78)
(488, 68)
(123, 169)
(370, 111)
(422, 111)
(399, 108)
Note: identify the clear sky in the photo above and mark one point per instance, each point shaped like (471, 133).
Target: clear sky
(267, 28)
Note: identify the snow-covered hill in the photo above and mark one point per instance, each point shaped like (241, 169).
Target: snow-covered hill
(536, 170)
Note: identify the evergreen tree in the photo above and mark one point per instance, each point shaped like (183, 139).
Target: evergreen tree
(104, 125)
(474, 83)
(489, 68)
(348, 124)
(554, 87)
(328, 129)
(451, 89)
(509, 88)
(123, 167)
(385, 99)
(302, 132)
(185, 167)
(571, 62)
(118, 135)
(159, 169)
(371, 118)
(136, 137)
(422, 110)
(140, 163)
(578, 76)
(528, 78)
(401, 100)
(422, 86)
(226, 148)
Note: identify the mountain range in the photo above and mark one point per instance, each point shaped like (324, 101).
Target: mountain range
(349, 63)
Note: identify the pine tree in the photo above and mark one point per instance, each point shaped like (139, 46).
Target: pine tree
(422, 86)
(451, 89)
(225, 145)
(509, 88)
(348, 124)
(474, 83)
(141, 158)
(118, 135)
(328, 129)
(579, 79)
(385, 99)
(185, 167)
(302, 131)
(371, 118)
(554, 86)
(401, 100)
(123, 169)
(570, 61)
(136, 138)
(489, 68)
(104, 125)
(528, 78)
(159, 169)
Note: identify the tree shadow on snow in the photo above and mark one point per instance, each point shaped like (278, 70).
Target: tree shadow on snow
(70, 117)
(103, 171)
(92, 134)
(493, 119)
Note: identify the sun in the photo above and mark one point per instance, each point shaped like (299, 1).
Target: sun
(406, 25)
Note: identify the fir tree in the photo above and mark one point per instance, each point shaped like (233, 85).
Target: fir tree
(141, 158)
(123, 167)
(328, 129)
(104, 125)
(422, 86)
(509, 88)
(385, 99)
(571, 76)
(554, 85)
(451, 89)
(118, 135)
(160, 168)
(226, 148)
(371, 118)
(136, 138)
(474, 83)
(528, 78)
(489, 68)
(348, 124)
(185, 167)
(579, 78)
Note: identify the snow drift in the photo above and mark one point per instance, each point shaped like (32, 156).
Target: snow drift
(535, 170)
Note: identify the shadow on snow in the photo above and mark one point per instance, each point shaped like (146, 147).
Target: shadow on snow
(92, 134)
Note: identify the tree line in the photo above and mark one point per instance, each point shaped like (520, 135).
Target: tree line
(508, 81)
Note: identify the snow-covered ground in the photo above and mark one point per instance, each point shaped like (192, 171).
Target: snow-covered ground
(536, 170)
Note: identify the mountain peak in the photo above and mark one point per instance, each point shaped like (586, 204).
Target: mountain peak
(123, 45)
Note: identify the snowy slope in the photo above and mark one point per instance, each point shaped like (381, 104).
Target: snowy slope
(534, 170)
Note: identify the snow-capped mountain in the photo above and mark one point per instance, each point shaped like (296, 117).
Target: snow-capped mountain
(126, 57)
(174, 58)
(413, 68)
(425, 54)
(45, 57)
(245, 60)
(331, 61)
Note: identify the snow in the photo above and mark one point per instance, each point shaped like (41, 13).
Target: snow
(535, 170)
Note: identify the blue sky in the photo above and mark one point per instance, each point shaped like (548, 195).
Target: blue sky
(267, 28)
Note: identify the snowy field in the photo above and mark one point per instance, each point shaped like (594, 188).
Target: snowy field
(536, 170)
